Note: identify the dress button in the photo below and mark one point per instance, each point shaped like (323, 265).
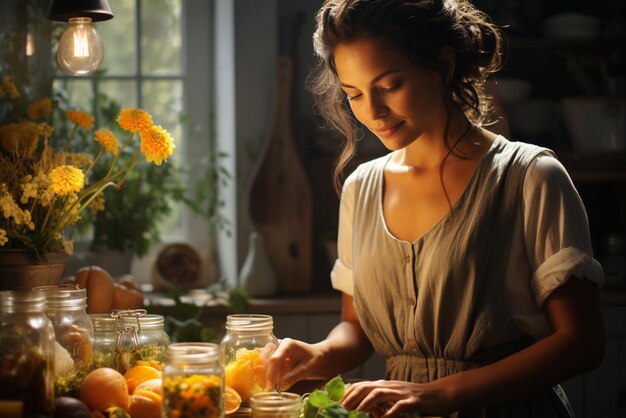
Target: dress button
(407, 259)
(412, 301)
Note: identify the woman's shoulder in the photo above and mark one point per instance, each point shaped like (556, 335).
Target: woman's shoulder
(365, 170)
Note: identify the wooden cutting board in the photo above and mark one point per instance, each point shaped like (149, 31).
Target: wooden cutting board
(280, 197)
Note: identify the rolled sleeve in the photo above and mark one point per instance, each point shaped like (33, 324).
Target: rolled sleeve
(556, 229)
(341, 274)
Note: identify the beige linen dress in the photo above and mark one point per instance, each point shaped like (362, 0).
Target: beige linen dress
(441, 304)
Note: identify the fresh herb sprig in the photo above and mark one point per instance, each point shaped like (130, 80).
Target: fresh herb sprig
(327, 403)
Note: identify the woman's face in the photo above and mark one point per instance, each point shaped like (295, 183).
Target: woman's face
(396, 99)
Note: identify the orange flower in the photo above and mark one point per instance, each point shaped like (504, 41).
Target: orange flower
(40, 109)
(107, 140)
(10, 88)
(134, 120)
(83, 119)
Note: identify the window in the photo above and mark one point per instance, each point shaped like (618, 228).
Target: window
(144, 66)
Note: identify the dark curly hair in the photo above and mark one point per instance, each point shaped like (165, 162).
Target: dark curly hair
(419, 29)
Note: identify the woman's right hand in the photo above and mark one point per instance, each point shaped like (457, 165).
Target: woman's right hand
(293, 361)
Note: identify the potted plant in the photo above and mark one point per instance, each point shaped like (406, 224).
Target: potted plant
(45, 184)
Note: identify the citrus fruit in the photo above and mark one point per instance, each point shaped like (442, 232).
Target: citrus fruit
(145, 405)
(104, 388)
(138, 374)
(152, 385)
(246, 374)
(232, 400)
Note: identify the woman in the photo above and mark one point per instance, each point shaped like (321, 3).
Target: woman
(464, 259)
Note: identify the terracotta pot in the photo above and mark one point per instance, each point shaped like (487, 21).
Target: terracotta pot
(20, 271)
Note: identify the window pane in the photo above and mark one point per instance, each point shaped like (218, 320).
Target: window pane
(79, 92)
(163, 99)
(124, 92)
(161, 37)
(119, 38)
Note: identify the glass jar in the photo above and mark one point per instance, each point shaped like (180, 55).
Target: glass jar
(140, 339)
(104, 340)
(26, 356)
(244, 350)
(275, 405)
(66, 307)
(193, 381)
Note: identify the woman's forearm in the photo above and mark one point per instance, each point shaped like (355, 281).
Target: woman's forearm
(345, 348)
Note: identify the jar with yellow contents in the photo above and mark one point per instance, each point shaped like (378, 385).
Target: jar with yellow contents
(244, 351)
(193, 381)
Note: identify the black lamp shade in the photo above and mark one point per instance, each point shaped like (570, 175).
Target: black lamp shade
(64, 10)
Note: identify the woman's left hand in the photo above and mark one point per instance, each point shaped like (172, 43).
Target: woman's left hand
(397, 397)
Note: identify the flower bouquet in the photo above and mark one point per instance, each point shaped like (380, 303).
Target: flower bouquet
(44, 186)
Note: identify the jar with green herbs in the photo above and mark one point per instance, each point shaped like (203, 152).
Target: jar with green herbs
(104, 340)
(193, 381)
(140, 340)
(26, 356)
(244, 351)
(66, 307)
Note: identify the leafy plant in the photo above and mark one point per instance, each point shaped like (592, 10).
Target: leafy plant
(327, 403)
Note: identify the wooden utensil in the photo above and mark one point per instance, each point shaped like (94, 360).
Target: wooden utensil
(280, 197)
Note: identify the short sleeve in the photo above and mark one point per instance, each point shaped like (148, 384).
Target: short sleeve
(341, 274)
(556, 229)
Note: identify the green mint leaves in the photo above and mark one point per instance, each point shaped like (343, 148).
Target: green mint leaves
(325, 403)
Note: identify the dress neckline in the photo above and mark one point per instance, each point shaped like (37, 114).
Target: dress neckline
(459, 201)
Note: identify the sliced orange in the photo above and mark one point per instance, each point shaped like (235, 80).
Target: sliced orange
(138, 374)
(232, 400)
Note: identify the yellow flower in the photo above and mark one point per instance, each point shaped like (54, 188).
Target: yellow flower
(107, 140)
(134, 120)
(83, 119)
(3, 237)
(40, 109)
(66, 179)
(156, 144)
(10, 88)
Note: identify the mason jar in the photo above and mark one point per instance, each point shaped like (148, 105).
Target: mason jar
(275, 405)
(104, 340)
(244, 351)
(26, 355)
(193, 381)
(141, 339)
(66, 307)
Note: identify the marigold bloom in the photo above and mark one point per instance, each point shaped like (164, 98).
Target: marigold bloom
(40, 109)
(80, 118)
(10, 88)
(3, 237)
(107, 140)
(134, 120)
(66, 179)
(156, 144)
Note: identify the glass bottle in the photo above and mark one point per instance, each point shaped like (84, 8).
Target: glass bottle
(141, 339)
(26, 355)
(244, 350)
(193, 381)
(275, 405)
(66, 307)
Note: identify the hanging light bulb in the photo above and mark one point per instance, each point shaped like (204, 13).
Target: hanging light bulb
(80, 49)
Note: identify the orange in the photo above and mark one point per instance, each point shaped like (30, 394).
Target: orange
(138, 374)
(145, 405)
(247, 373)
(152, 385)
(104, 388)
(232, 400)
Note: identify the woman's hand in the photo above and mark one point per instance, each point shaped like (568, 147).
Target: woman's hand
(291, 362)
(397, 397)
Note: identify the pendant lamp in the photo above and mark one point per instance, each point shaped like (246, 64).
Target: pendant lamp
(80, 50)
